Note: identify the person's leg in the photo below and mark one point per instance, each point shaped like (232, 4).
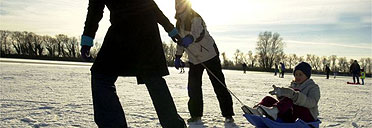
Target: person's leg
(163, 102)
(354, 77)
(285, 109)
(268, 101)
(223, 96)
(362, 81)
(303, 113)
(195, 92)
(108, 111)
(357, 76)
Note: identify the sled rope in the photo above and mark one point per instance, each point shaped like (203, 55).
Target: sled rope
(215, 77)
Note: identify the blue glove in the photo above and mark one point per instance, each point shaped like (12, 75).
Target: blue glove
(187, 40)
(174, 35)
(177, 62)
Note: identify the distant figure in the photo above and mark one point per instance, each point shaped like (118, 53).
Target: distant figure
(276, 69)
(280, 72)
(362, 75)
(355, 71)
(327, 70)
(244, 67)
(335, 73)
(282, 69)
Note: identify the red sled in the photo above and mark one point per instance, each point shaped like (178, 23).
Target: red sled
(352, 83)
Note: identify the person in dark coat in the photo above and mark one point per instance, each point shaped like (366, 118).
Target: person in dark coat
(282, 66)
(355, 71)
(132, 47)
(327, 71)
(244, 67)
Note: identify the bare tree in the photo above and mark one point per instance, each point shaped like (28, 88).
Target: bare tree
(18, 40)
(169, 51)
(290, 60)
(50, 45)
(4, 42)
(72, 47)
(343, 64)
(368, 65)
(94, 50)
(238, 57)
(225, 60)
(318, 63)
(294, 60)
(269, 46)
(61, 42)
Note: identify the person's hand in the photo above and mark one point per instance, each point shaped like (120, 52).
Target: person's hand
(177, 39)
(177, 62)
(287, 92)
(174, 35)
(85, 50)
(187, 40)
(276, 90)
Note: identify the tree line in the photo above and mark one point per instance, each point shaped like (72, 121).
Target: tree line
(269, 51)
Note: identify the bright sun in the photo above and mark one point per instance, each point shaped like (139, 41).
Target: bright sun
(219, 12)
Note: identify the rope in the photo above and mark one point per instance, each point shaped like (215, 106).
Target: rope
(216, 77)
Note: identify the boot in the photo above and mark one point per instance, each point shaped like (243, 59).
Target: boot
(270, 112)
(196, 120)
(252, 111)
(229, 119)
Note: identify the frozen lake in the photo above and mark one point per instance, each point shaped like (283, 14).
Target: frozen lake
(57, 94)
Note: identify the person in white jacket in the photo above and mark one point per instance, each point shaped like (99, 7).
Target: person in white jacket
(202, 51)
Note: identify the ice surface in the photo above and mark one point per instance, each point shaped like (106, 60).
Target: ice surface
(46, 94)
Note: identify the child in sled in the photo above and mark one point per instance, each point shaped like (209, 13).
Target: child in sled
(299, 100)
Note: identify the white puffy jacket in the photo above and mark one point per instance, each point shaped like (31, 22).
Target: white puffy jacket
(203, 48)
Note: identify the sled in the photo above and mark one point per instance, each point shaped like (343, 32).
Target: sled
(352, 83)
(263, 122)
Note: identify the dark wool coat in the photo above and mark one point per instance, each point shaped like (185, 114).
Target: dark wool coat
(132, 45)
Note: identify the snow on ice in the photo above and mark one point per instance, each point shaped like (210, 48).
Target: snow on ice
(50, 94)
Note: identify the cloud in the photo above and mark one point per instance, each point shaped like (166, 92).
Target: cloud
(364, 46)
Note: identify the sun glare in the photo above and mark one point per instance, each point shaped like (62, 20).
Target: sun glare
(219, 12)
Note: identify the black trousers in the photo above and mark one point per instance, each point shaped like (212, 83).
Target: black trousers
(195, 93)
(108, 112)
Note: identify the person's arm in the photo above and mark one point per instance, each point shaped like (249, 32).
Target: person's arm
(197, 29)
(94, 15)
(162, 19)
(308, 101)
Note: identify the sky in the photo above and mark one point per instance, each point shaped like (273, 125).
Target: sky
(319, 27)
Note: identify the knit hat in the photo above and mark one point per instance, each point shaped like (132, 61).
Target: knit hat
(304, 67)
